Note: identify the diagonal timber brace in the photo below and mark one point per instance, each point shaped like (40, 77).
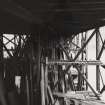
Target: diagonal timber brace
(85, 44)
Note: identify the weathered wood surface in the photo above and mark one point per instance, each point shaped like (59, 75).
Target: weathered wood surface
(82, 98)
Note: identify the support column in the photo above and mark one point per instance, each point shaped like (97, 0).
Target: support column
(82, 58)
(97, 67)
(42, 86)
(1, 55)
(39, 55)
(86, 58)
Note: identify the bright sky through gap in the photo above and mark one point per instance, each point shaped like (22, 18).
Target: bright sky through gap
(92, 55)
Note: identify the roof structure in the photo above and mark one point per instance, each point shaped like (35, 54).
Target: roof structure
(63, 16)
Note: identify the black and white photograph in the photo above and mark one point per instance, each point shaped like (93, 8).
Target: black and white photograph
(52, 52)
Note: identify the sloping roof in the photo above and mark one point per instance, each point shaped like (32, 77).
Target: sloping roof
(64, 16)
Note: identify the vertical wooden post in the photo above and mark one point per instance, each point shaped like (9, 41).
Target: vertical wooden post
(97, 67)
(28, 90)
(39, 57)
(31, 84)
(1, 55)
(82, 58)
(42, 86)
(46, 80)
(86, 58)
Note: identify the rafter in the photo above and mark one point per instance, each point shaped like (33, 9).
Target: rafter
(19, 11)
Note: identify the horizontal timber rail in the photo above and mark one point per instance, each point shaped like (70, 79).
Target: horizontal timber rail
(65, 62)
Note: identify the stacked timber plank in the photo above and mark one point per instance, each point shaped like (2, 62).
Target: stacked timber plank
(80, 98)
